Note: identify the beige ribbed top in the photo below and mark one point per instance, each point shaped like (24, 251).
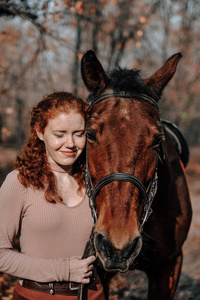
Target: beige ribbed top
(50, 233)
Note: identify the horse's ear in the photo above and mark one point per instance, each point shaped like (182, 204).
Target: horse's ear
(93, 74)
(159, 80)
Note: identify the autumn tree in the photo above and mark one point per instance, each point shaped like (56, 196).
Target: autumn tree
(43, 43)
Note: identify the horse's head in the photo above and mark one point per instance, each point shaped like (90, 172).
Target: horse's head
(124, 136)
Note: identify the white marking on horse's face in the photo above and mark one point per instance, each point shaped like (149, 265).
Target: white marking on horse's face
(124, 113)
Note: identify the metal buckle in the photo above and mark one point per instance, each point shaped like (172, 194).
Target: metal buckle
(72, 288)
(51, 287)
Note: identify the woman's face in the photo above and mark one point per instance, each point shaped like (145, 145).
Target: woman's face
(64, 138)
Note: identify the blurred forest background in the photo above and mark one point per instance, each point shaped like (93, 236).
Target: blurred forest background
(41, 46)
(42, 43)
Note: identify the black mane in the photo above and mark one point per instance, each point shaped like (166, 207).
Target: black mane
(128, 81)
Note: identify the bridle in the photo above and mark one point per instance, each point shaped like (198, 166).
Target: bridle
(147, 194)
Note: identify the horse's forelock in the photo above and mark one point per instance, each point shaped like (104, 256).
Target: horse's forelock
(128, 81)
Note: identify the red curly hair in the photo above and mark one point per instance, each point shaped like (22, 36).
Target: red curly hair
(32, 164)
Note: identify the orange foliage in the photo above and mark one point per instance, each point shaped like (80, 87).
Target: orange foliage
(79, 56)
(9, 35)
(58, 16)
(79, 7)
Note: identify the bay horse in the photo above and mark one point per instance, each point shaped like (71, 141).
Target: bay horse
(134, 177)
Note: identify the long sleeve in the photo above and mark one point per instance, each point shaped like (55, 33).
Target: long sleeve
(13, 208)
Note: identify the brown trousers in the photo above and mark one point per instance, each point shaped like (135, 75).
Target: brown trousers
(93, 292)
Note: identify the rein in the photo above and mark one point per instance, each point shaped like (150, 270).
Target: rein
(147, 195)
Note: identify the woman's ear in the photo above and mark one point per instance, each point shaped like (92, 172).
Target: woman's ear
(40, 135)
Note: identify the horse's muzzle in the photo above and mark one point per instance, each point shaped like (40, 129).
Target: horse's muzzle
(116, 259)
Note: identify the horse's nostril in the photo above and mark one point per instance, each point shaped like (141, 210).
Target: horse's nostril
(114, 259)
(131, 248)
(104, 245)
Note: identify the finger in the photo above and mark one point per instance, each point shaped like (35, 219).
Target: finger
(91, 267)
(88, 274)
(85, 280)
(90, 259)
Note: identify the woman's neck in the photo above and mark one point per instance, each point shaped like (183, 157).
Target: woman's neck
(59, 168)
(67, 186)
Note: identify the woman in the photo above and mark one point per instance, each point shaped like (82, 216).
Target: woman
(44, 200)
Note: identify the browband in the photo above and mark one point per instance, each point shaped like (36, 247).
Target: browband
(124, 95)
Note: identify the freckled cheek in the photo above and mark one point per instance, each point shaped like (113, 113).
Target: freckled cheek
(55, 145)
(81, 144)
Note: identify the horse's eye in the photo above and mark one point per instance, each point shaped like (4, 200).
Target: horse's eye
(91, 135)
(157, 140)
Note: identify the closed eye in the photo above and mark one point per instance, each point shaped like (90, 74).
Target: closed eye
(59, 135)
(79, 133)
(91, 135)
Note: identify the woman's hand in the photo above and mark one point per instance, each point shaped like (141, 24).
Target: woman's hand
(81, 269)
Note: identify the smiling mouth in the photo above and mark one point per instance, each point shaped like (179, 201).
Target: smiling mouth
(69, 153)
